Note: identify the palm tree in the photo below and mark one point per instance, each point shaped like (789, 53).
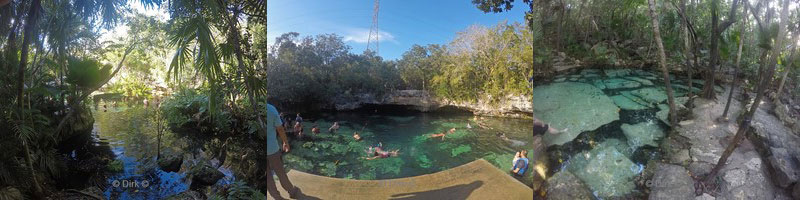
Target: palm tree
(195, 25)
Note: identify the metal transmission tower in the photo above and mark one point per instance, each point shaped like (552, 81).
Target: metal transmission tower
(373, 31)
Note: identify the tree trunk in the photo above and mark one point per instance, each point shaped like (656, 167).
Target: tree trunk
(787, 69)
(237, 48)
(686, 43)
(764, 80)
(663, 62)
(716, 32)
(28, 35)
(736, 67)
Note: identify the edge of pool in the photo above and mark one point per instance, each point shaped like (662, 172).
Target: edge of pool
(475, 180)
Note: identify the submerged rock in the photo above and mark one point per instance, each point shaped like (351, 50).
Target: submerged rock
(641, 134)
(671, 182)
(565, 186)
(641, 80)
(618, 83)
(652, 95)
(627, 103)
(576, 106)
(609, 173)
(617, 72)
(663, 113)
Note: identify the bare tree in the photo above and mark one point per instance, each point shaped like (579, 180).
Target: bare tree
(663, 62)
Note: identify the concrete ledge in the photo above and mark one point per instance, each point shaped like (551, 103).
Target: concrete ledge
(475, 180)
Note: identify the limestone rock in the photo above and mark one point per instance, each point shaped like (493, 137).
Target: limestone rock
(565, 186)
(671, 182)
(699, 168)
(784, 167)
(609, 173)
(641, 134)
(681, 157)
(576, 106)
(705, 196)
(663, 113)
(796, 191)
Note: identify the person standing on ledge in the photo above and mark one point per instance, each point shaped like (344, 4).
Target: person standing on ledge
(274, 160)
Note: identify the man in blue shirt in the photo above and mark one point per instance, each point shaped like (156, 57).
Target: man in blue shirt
(274, 160)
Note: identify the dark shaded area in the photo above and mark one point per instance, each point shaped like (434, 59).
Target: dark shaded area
(453, 192)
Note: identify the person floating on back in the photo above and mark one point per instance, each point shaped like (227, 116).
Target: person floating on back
(520, 163)
(443, 134)
(333, 128)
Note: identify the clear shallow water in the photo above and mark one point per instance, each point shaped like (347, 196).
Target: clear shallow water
(339, 155)
(130, 134)
(608, 158)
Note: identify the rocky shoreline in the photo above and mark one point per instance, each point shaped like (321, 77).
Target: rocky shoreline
(516, 106)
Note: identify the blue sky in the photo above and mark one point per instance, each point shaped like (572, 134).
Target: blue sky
(402, 22)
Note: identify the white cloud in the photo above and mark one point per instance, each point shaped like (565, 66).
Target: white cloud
(361, 35)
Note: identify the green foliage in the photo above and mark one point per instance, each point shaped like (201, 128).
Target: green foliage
(115, 166)
(189, 107)
(476, 66)
(86, 73)
(238, 190)
(132, 88)
(424, 162)
(319, 69)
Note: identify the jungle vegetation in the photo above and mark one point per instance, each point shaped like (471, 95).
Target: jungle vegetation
(53, 61)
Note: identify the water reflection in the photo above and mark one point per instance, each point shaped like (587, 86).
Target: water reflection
(131, 134)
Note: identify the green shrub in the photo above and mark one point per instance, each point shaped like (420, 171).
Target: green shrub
(189, 107)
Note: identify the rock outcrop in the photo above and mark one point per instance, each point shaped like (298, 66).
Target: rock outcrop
(170, 163)
(671, 182)
(507, 106)
(205, 175)
(574, 106)
(565, 186)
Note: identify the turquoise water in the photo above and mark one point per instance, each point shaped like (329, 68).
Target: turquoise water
(339, 155)
(616, 120)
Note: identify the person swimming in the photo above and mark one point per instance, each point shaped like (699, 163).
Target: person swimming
(334, 127)
(443, 134)
(540, 127)
(356, 136)
(380, 153)
(315, 129)
(509, 140)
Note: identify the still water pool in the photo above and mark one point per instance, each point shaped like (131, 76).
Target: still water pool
(615, 121)
(131, 135)
(339, 155)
